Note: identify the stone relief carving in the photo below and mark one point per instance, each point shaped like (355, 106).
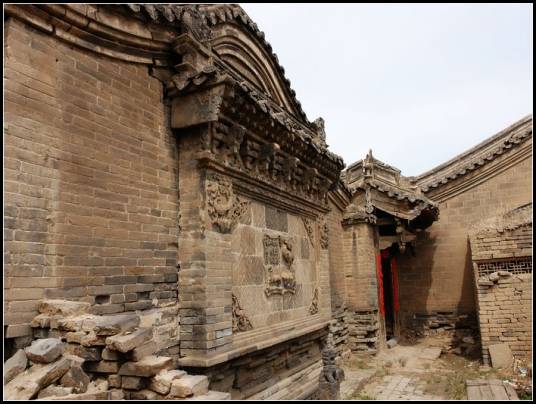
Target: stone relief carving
(313, 309)
(279, 259)
(324, 234)
(229, 145)
(309, 228)
(223, 206)
(240, 320)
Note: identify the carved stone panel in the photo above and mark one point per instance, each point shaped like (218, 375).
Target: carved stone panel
(223, 206)
(272, 250)
(279, 260)
(309, 228)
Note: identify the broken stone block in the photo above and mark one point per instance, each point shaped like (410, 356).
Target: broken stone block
(55, 391)
(145, 395)
(147, 367)
(392, 343)
(27, 384)
(87, 353)
(72, 323)
(15, 365)
(129, 340)
(75, 337)
(63, 307)
(40, 321)
(189, 385)
(132, 382)
(110, 355)
(45, 350)
(111, 325)
(114, 381)
(91, 339)
(116, 394)
(99, 395)
(102, 367)
(74, 360)
(144, 350)
(501, 356)
(211, 396)
(161, 383)
(97, 385)
(75, 378)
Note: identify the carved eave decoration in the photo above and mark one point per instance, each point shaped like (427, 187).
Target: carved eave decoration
(249, 137)
(378, 187)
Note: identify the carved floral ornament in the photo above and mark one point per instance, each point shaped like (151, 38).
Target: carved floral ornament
(223, 206)
(310, 229)
(324, 233)
(240, 320)
(313, 309)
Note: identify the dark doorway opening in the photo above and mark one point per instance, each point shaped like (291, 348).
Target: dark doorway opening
(390, 295)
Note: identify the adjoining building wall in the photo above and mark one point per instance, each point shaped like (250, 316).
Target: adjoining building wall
(438, 279)
(502, 262)
(90, 182)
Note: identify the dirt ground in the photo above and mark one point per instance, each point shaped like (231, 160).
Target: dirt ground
(417, 371)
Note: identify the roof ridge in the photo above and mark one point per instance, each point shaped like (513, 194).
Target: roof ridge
(476, 156)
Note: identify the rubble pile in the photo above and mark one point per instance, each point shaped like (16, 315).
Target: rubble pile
(81, 356)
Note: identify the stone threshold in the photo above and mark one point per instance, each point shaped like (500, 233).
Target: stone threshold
(256, 340)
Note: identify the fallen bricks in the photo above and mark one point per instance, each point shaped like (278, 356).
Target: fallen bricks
(82, 356)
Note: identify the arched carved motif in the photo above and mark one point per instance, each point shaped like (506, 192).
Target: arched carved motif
(243, 54)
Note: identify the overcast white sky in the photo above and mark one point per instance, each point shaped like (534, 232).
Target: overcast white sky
(416, 83)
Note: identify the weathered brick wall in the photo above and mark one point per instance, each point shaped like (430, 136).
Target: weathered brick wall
(502, 263)
(505, 314)
(336, 257)
(337, 279)
(90, 174)
(439, 276)
(364, 326)
(359, 247)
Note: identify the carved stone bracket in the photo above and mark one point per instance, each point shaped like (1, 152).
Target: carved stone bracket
(324, 234)
(310, 229)
(313, 309)
(223, 206)
(240, 320)
(279, 260)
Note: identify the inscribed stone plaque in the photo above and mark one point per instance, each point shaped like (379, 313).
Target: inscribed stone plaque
(271, 250)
